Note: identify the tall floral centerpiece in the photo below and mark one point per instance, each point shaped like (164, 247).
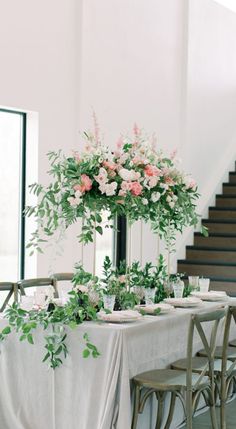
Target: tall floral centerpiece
(135, 180)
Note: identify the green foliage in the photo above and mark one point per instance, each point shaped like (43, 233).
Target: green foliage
(54, 322)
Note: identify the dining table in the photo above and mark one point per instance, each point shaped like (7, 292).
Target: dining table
(92, 393)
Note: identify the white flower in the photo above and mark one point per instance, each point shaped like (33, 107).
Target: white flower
(153, 181)
(155, 196)
(101, 178)
(171, 204)
(168, 199)
(129, 175)
(72, 201)
(175, 198)
(145, 201)
(111, 189)
(102, 188)
(164, 186)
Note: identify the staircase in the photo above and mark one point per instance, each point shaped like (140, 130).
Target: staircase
(215, 256)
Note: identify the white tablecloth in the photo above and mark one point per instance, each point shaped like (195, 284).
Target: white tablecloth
(87, 393)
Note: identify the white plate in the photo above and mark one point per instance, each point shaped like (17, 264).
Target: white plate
(210, 296)
(119, 316)
(150, 309)
(184, 302)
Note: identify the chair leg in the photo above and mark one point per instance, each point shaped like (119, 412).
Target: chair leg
(223, 400)
(160, 406)
(136, 407)
(171, 410)
(189, 410)
(211, 393)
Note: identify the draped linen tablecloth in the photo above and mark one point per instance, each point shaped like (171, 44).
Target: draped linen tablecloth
(89, 393)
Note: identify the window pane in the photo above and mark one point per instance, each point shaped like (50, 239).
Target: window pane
(10, 172)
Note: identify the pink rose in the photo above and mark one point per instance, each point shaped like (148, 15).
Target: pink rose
(152, 170)
(136, 188)
(86, 184)
(169, 180)
(109, 164)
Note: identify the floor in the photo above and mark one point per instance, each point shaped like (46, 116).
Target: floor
(204, 421)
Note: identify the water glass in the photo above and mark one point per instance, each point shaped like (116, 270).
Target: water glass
(194, 283)
(178, 289)
(204, 285)
(149, 295)
(139, 291)
(109, 301)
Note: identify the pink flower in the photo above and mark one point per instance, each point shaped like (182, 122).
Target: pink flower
(137, 160)
(86, 184)
(126, 186)
(136, 130)
(121, 193)
(136, 188)
(152, 170)
(110, 165)
(153, 181)
(120, 143)
(169, 180)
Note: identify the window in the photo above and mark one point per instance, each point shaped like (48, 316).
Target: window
(12, 194)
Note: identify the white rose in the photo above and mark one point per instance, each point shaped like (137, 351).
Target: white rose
(164, 186)
(111, 189)
(125, 174)
(102, 188)
(72, 201)
(171, 204)
(155, 196)
(144, 201)
(175, 198)
(168, 199)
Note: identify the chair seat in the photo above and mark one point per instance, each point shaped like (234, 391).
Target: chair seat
(231, 353)
(167, 380)
(232, 343)
(198, 364)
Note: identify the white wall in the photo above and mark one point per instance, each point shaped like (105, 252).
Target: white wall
(39, 51)
(209, 149)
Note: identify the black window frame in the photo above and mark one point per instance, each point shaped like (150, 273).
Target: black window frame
(22, 190)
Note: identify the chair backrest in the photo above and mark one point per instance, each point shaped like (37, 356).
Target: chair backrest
(12, 289)
(227, 371)
(62, 276)
(198, 324)
(37, 282)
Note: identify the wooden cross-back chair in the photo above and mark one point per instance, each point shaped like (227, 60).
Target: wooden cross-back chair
(12, 289)
(37, 282)
(227, 355)
(185, 385)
